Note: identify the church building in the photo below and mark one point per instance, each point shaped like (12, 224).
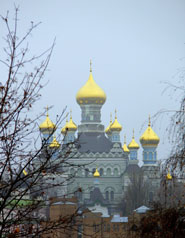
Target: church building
(100, 176)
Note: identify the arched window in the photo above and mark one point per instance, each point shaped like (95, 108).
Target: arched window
(107, 195)
(108, 172)
(101, 172)
(72, 171)
(115, 172)
(112, 195)
(79, 172)
(93, 171)
(86, 173)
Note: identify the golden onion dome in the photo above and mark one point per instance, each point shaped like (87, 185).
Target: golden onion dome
(69, 126)
(108, 130)
(125, 148)
(149, 137)
(47, 124)
(90, 92)
(96, 173)
(168, 176)
(54, 143)
(133, 144)
(115, 125)
(64, 129)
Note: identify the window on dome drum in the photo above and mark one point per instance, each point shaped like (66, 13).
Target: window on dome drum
(107, 195)
(112, 195)
(108, 172)
(155, 155)
(101, 172)
(145, 155)
(150, 156)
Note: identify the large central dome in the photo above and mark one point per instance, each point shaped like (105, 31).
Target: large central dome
(91, 93)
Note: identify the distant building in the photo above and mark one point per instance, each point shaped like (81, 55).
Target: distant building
(98, 148)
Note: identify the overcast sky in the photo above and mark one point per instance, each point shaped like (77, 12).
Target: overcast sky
(135, 46)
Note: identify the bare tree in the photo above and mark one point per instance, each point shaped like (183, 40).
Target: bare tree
(136, 193)
(167, 219)
(28, 169)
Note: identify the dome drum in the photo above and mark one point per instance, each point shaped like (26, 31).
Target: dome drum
(92, 100)
(149, 143)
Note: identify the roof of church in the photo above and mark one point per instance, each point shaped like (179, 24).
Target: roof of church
(132, 168)
(94, 142)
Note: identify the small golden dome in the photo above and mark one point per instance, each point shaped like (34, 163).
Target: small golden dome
(64, 129)
(125, 148)
(91, 92)
(149, 137)
(115, 125)
(133, 144)
(108, 130)
(69, 126)
(168, 176)
(47, 124)
(96, 173)
(54, 143)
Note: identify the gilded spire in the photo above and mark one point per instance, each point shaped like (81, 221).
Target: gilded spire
(108, 128)
(90, 65)
(115, 114)
(47, 114)
(149, 121)
(125, 148)
(111, 117)
(133, 137)
(70, 114)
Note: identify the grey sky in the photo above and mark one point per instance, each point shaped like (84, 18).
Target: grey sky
(134, 46)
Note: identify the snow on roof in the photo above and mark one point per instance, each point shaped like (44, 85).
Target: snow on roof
(142, 209)
(117, 218)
